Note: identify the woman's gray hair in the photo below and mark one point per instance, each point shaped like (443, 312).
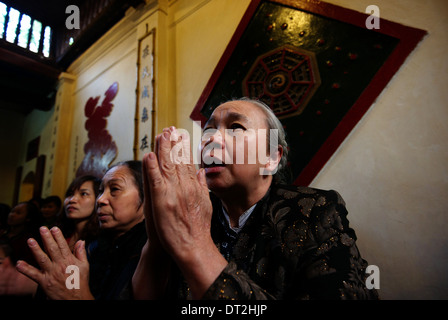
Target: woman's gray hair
(283, 174)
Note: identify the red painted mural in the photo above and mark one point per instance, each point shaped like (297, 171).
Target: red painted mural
(100, 149)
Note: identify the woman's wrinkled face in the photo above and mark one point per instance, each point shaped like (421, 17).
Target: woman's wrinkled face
(119, 207)
(80, 204)
(229, 147)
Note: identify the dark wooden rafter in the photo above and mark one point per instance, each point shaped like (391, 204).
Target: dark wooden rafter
(27, 80)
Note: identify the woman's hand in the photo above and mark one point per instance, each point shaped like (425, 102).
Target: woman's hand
(53, 276)
(181, 210)
(181, 207)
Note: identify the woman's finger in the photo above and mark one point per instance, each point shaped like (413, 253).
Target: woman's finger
(42, 259)
(50, 245)
(61, 242)
(80, 251)
(152, 173)
(164, 156)
(184, 163)
(188, 155)
(202, 180)
(29, 271)
(146, 188)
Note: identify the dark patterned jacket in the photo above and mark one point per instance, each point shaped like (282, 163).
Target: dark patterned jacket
(113, 262)
(297, 244)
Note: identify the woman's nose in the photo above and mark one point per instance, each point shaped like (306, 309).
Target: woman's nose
(213, 136)
(101, 200)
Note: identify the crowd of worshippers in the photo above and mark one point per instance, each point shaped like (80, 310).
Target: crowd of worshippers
(159, 229)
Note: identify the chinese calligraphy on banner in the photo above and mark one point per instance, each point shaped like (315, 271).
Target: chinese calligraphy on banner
(144, 125)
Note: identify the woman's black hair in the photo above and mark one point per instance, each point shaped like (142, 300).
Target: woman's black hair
(135, 167)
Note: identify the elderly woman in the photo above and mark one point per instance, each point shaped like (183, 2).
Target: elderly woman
(252, 237)
(113, 258)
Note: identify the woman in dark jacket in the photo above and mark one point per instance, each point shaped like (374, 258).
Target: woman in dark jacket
(112, 258)
(256, 238)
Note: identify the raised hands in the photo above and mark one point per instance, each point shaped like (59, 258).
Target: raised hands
(179, 196)
(178, 211)
(52, 276)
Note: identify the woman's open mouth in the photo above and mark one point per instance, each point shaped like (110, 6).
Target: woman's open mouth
(214, 167)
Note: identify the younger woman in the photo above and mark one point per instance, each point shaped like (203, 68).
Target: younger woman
(79, 220)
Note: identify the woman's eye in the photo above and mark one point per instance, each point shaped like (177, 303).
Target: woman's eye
(208, 130)
(236, 126)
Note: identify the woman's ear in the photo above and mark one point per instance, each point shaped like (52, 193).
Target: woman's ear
(271, 166)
